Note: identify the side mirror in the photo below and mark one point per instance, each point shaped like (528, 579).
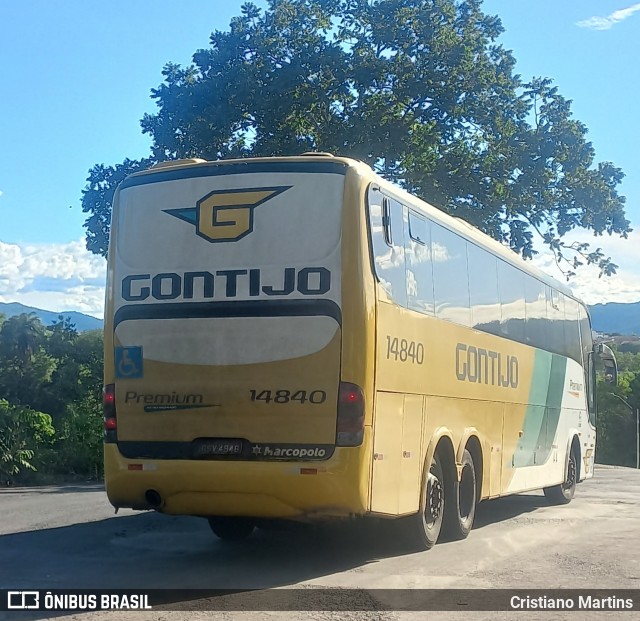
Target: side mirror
(605, 353)
(610, 372)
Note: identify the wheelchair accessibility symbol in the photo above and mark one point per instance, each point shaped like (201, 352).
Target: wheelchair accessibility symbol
(128, 362)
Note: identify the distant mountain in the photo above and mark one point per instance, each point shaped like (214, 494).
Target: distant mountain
(616, 317)
(81, 321)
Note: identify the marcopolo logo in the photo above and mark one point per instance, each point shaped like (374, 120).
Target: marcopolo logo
(226, 215)
(291, 452)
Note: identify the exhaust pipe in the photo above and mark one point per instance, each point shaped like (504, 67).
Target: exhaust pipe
(153, 498)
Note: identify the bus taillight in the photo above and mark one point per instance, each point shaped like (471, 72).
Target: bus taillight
(350, 426)
(109, 412)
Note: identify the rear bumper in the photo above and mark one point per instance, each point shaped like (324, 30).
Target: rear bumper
(339, 488)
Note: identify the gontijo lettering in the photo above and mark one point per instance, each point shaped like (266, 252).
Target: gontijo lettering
(483, 366)
(228, 283)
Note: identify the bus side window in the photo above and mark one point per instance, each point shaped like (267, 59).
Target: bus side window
(588, 362)
(555, 314)
(590, 376)
(586, 336)
(483, 290)
(572, 329)
(386, 225)
(397, 268)
(536, 326)
(386, 222)
(419, 266)
(511, 283)
(450, 275)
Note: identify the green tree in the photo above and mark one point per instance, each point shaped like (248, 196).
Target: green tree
(50, 377)
(98, 196)
(22, 336)
(25, 365)
(616, 421)
(634, 388)
(78, 443)
(23, 433)
(78, 368)
(616, 443)
(420, 89)
(76, 389)
(73, 397)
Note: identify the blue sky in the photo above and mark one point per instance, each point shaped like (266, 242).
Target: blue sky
(76, 79)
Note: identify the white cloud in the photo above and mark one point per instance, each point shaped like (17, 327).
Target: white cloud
(57, 277)
(605, 23)
(624, 286)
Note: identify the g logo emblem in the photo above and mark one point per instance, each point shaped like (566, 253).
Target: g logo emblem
(226, 215)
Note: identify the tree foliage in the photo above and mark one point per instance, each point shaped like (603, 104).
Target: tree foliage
(23, 433)
(616, 423)
(78, 446)
(50, 383)
(26, 365)
(422, 90)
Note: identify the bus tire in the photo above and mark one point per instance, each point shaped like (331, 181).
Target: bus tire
(423, 528)
(563, 494)
(460, 511)
(231, 528)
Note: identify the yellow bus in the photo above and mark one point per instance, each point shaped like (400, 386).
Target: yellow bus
(296, 338)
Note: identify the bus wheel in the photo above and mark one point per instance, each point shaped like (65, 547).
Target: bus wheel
(231, 528)
(423, 528)
(563, 493)
(462, 508)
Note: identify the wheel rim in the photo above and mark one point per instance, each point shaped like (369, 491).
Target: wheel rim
(435, 498)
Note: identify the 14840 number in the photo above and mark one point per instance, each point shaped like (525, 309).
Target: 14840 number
(404, 350)
(287, 396)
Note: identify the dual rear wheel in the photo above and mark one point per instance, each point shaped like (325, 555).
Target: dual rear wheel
(449, 504)
(449, 509)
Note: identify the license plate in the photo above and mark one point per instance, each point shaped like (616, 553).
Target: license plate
(218, 448)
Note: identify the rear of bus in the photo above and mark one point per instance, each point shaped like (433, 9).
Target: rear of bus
(224, 342)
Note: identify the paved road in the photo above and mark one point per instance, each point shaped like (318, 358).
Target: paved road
(68, 537)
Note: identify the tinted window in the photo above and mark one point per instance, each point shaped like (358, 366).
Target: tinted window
(450, 276)
(555, 314)
(590, 377)
(387, 240)
(483, 290)
(586, 336)
(589, 362)
(419, 269)
(572, 329)
(511, 284)
(536, 313)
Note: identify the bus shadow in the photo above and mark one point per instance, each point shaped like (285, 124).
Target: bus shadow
(152, 551)
(509, 507)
